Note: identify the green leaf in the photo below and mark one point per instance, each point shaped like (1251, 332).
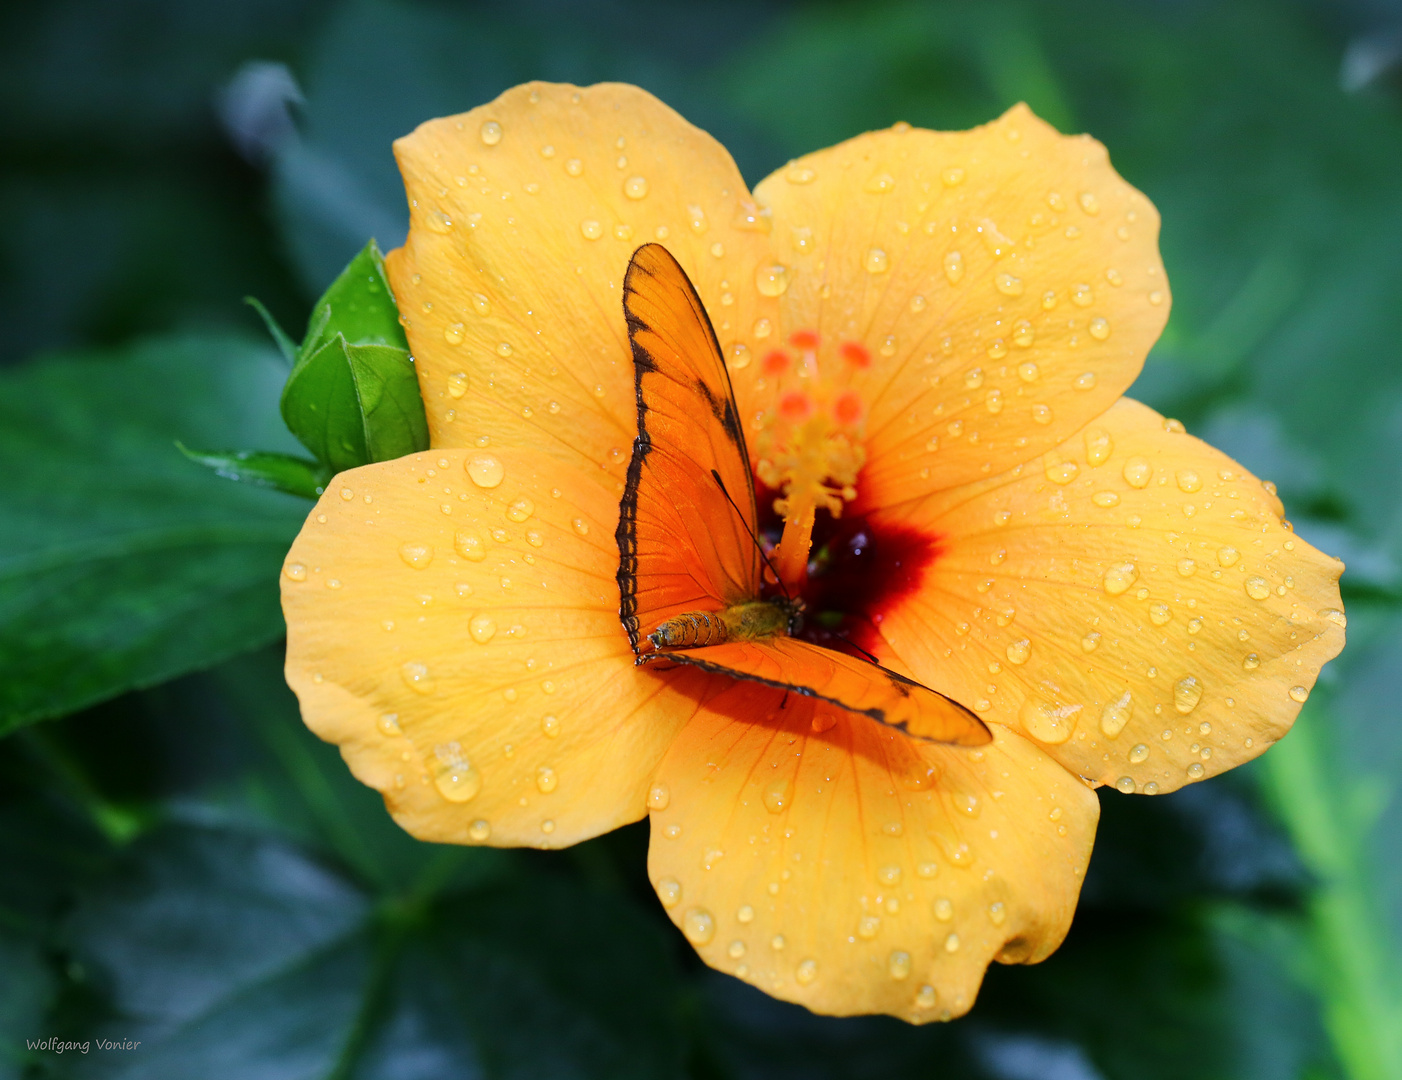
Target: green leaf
(358, 306)
(281, 472)
(231, 953)
(121, 565)
(353, 404)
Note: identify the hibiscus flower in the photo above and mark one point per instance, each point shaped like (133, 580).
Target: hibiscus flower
(928, 336)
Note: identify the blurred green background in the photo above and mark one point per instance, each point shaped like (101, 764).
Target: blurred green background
(183, 864)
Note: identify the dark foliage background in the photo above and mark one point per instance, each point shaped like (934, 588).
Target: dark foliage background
(181, 863)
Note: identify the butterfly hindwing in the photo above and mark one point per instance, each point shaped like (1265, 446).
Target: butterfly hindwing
(683, 546)
(849, 682)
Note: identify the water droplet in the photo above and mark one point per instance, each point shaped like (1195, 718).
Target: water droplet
(659, 796)
(295, 571)
(1159, 613)
(745, 914)
(591, 229)
(457, 384)
(876, 262)
(1047, 722)
(880, 184)
(416, 555)
(1257, 588)
(479, 830)
(1098, 446)
(574, 166)
(491, 133)
(1333, 615)
(951, 943)
(484, 470)
(1195, 770)
(456, 780)
(438, 221)
(777, 795)
(952, 176)
(1042, 414)
(1115, 715)
(1089, 203)
(521, 509)
(925, 999)
(1187, 692)
(1082, 295)
(1228, 556)
(482, 628)
(1099, 329)
(1008, 285)
(669, 891)
(772, 280)
(1139, 752)
(546, 779)
(1019, 651)
(944, 909)
(1138, 472)
(1299, 693)
(580, 526)
(452, 334)
(1028, 371)
(550, 725)
(1090, 641)
(1058, 471)
(898, 964)
(1126, 784)
(954, 267)
(739, 356)
(1189, 481)
(997, 913)
(917, 303)
(806, 972)
(416, 677)
(469, 545)
(1105, 499)
(777, 942)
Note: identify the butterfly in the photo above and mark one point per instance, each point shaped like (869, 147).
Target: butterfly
(690, 570)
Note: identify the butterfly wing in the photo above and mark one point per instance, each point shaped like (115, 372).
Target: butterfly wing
(849, 682)
(683, 545)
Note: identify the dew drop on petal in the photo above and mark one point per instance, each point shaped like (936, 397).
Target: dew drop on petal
(697, 925)
(1187, 692)
(1299, 693)
(490, 133)
(482, 628)
(416, 555)
(1119, 578)
(1138, 472)
(876, 262)
(806, 972)
(479, 830)
(669, 891)
(1099, 329)
(898, 964)
(1258, 588)
(659, 796)
(772, 279)
(1228, 555)
(1019, 651)
(1115, 715)
(1009, 285)
(484, 470)
(954, 267)
(457, 384)
(295, 571)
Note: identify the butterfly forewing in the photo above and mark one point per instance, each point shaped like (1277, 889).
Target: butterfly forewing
(851, 683)
(683, 546)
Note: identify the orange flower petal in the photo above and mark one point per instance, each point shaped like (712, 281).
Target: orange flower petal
(452, 623)
(523, 216)
(1131, 601)
(1006, 281)
(858, 870)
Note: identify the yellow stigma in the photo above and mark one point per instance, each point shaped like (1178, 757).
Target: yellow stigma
(810, 449)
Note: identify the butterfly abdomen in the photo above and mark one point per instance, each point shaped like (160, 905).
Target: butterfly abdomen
(751, 621)
(691, 630)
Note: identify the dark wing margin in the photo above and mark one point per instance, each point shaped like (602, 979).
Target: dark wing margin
(681, 545)
(854, 685)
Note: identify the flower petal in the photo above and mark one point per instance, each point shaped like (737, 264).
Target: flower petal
(523, 215)
(452, 623)
(1132, 601)
(858, 870)
(1005, 281)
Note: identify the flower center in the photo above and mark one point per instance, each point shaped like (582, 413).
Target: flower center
(810, 443)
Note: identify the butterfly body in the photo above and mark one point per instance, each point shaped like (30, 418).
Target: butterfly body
(753, 620)
(691, 566)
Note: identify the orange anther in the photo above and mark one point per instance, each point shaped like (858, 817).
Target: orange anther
(856, 353)
(804, 339)
(776, 362)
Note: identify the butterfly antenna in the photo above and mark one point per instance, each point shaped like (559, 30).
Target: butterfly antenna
(758, 546)
(853, 645)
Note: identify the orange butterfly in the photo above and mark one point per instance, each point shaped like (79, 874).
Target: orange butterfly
(689, 569)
